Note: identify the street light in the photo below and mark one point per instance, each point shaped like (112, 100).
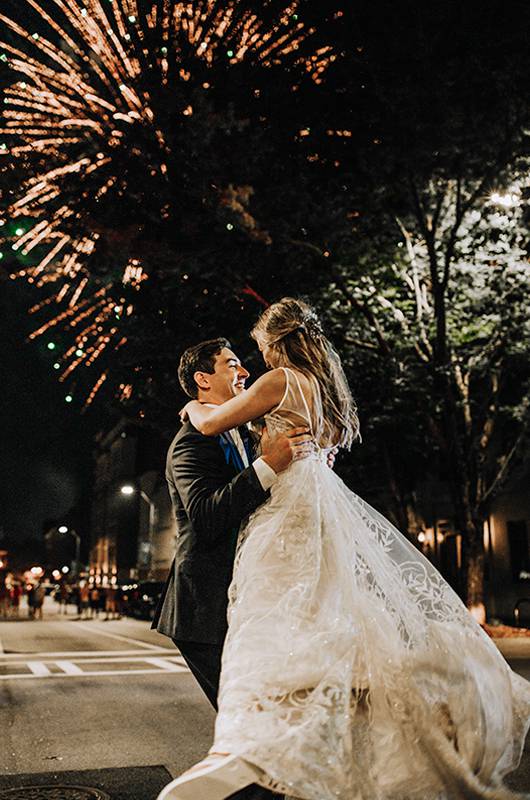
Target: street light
(66, 529)
(507, 200)
(128, 489)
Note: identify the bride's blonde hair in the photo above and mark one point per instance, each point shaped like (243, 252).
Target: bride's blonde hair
(292, 330)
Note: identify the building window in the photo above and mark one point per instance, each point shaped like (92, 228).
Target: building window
(519, 549)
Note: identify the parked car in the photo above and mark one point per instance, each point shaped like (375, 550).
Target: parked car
(142, 599)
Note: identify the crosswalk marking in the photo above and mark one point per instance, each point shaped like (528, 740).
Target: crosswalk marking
(165, 664)
(69, 668)
(93, 665)
(76, 654)
(39, 668)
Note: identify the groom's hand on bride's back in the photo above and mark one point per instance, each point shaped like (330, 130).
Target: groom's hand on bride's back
(279, 451)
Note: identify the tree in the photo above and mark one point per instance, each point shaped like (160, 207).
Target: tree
(455, 340)
(429, 283)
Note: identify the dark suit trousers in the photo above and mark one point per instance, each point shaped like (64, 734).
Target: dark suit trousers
(204, 661)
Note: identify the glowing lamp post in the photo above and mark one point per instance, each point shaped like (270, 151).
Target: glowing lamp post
(66, 529)
(128, 490)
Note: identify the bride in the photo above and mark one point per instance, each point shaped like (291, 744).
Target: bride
(351, 669)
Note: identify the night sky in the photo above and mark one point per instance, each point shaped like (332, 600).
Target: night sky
(445, 71)
(45, 455)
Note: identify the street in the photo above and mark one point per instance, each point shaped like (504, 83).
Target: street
(113, 701)
(80, 695)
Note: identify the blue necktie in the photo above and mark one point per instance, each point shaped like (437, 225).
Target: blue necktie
(231, 452)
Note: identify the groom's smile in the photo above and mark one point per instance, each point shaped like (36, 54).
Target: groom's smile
(227, 380)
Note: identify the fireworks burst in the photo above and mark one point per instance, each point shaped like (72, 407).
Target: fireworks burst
(91, 90)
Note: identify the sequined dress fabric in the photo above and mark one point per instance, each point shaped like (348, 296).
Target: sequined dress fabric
(351, 669)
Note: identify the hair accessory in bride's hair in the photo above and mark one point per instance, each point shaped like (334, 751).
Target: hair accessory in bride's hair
(311, 324)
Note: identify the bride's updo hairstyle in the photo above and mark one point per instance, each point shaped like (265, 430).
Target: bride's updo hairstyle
(293, 332)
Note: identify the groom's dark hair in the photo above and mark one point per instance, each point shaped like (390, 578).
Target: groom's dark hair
(199, 358)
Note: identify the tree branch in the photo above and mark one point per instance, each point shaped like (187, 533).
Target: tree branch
(416, 287)
(449, 250)
(342, 285)
(362, 345)
(505, 464)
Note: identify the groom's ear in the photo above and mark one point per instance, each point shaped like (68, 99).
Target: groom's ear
(202, 379)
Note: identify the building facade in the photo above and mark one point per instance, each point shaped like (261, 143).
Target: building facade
(506, 546)
(131, 534)
(507, 542)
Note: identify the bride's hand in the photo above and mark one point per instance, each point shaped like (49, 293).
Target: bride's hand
(186, 413)
(331, 457)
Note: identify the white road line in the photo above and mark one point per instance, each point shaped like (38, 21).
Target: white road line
(95, 657)
(94, 629)
(116, 660)
(69, 668)
(90, 674)
(160, 662)
(4, 657)
(38, 669)
(178, 660)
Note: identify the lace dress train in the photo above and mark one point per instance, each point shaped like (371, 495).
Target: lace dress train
(351, 669)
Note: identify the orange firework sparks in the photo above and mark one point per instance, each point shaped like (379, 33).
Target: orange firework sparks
(79, 95)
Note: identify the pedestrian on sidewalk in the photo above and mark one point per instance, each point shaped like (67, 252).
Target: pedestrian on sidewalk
(64, 597)
(4, 598)
(30, 589)
(39, 593)
(84, 600)
(16, 594)
(94, 602)
(111, 606)
(102, 602)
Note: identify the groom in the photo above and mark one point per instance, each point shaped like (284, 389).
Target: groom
(215, 483)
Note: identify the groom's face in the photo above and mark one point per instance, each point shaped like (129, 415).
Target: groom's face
(226, 381)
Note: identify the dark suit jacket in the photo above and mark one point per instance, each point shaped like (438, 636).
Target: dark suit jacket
(210, 500)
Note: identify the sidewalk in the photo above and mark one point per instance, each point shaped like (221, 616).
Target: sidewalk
(50, 609)
(514, 648)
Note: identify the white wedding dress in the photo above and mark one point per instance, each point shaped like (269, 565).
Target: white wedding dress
(351, 669)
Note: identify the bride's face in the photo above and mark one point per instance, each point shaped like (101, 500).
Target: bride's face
(269, 356)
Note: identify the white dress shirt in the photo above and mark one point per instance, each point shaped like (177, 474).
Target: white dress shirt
(265, 473)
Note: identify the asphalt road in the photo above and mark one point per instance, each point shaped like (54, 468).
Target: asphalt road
(91, 695)
(79, 694)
